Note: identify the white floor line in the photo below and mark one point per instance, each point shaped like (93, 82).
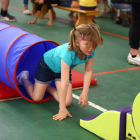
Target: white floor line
(91, 104)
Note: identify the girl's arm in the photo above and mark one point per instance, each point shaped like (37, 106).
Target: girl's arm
(63, 112)
(87, 81)
(64, 84)
(36, 17)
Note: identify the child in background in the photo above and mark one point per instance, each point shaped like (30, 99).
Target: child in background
(26, 11)
(88, 4)
(38, 5)
(57, 64)
(72, 4)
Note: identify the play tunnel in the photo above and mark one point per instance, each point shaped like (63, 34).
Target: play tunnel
(20, 50)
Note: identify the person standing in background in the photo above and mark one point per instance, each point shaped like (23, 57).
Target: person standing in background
(4, 15)
(134, 34)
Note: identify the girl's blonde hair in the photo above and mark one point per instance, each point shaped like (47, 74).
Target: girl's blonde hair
(34, 10)
(35, 6)
(88, 32)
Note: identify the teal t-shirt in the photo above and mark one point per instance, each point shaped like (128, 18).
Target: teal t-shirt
(53, 58)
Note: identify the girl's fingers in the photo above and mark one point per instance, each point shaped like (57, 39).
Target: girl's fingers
(61, 117)
(55, 115)
(79, 101)
(70, 115)
(84, 104)
(56, 118)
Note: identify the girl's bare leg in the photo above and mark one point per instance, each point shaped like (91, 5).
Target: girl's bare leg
(75, 4)
(75, 18)
(36, 91)
(25, 7)
(26, 11)
(50, 23)
(53, 92)
(69, 92)
(71, 15)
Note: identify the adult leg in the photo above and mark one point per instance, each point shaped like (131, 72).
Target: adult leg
(4, 7)
(4, 14)
(134, 35)
(5, 4)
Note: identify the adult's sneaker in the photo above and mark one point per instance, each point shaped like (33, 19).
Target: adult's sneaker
(22, 75)
(8, 17)
(134, 61)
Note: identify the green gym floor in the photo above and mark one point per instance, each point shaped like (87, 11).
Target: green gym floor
(118, 82)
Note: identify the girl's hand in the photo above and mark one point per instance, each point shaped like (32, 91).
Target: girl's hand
(84, 99)
(49, 23)
(62, 114)
(31, 22)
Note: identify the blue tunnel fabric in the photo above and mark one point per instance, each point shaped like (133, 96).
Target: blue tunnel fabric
(3, 25)
(20, 50)
(7, 36)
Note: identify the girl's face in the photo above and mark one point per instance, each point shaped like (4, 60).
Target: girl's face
(39, 2)
(85, 46)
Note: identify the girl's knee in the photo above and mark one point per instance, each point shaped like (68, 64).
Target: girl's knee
(36, 99)
(68, 103)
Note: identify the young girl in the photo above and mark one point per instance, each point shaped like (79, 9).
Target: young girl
(37, 9)
(57, 64)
